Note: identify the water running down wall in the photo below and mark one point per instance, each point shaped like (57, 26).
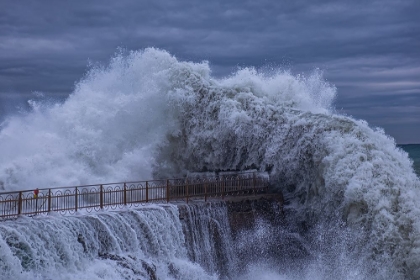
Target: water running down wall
(152, 242)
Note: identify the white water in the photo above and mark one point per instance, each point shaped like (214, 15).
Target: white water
(149, 115)
(115, 246)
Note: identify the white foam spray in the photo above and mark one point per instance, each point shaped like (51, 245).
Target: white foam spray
(147, 114)
(147, 243)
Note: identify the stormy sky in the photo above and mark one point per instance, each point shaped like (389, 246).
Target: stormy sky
(370, 50)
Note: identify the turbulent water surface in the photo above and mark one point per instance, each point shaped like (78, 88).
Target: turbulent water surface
(351, 193)
(413, 151)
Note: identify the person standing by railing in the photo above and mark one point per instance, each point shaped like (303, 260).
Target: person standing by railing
(36, 192)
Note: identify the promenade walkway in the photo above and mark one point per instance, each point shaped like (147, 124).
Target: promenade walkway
(128, 194)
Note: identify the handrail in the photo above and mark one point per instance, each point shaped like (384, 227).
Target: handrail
(245, 173)
(127, 194)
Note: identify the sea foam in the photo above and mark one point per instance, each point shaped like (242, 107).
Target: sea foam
(148, 115)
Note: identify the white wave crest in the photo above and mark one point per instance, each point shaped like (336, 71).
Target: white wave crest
(149, 114)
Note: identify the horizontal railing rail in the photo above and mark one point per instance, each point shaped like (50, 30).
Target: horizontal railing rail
(127, 194)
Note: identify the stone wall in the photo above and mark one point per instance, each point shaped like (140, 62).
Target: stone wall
(245, 212)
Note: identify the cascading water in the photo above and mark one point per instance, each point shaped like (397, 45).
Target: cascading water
(147, 243)
(350, 192)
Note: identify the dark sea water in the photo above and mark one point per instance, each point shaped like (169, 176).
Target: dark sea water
(413, 151)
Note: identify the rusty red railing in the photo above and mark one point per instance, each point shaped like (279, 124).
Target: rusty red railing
(128, 194)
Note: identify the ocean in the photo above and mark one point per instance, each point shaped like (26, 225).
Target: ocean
(413, 151)
(351, 195)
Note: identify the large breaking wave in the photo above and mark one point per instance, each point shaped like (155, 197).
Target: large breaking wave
(149, 115)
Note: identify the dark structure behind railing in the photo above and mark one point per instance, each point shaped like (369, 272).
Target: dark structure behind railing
(114, 195)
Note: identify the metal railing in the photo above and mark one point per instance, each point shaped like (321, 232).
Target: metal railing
(127, 194)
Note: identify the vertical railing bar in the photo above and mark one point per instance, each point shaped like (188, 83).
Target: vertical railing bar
(75, 199)
(20, 203)
(167, 191)
(205, 190)
(147, 191)
(125, 194)
(49, 200)
(223, 186)
(186, 188)
(254, 182)
(239, 182)
(101, 197)
(36, 205)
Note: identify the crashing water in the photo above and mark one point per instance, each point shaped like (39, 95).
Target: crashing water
(147, 243)
(413, 151)
(350, 192)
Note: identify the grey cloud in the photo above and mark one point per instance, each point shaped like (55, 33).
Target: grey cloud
(368, 49)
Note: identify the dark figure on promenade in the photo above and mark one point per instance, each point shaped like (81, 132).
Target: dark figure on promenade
(36, 192)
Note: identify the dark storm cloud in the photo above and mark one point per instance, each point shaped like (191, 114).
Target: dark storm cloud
(368, 49)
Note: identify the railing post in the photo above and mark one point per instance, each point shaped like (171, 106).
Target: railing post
(167, 190)
(125, 194)
(36, 205)
(75, 199)
(49, 200)
(186, 188)
(223, 186)
(20, 203)
(254, 182)
(239, 183)
(147, 191)
(219, 188)
(205, 190)
(101, 197)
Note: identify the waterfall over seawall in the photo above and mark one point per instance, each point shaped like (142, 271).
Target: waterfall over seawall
(233, 239)
(165, 241)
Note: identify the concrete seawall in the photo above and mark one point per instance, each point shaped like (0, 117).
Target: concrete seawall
(245, 212)
(220, 234)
